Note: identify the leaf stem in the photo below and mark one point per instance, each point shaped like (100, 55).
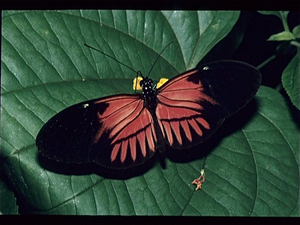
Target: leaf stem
(266, 62)
(297, 44)
(284, 22)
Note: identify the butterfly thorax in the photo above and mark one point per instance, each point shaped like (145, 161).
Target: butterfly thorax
(149, 93)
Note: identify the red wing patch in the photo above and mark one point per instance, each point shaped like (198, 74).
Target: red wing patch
(181, 113)
(127, 123)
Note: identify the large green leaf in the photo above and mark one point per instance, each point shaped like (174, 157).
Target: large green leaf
(253, 170)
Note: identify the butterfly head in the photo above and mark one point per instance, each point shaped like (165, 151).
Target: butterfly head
(149, 90)
(137, 86)
(147, 86)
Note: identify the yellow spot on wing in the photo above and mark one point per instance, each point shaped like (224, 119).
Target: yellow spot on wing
(136, 83)
(137, 86)
(161, 82)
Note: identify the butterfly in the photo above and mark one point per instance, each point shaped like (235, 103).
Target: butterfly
(126, 130)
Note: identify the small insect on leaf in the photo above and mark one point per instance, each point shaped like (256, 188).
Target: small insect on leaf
(200, 180)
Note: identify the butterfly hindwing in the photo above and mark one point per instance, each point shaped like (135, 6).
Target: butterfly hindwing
(194, 104)
(115, 132)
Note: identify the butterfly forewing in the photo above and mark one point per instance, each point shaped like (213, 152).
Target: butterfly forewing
(232, 83)
(194, 104)
(109, 131)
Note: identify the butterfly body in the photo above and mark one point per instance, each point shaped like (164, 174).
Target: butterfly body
(149, 93)
(124, 131)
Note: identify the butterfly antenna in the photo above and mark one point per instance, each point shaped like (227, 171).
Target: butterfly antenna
(159, 57)
(111, 57)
